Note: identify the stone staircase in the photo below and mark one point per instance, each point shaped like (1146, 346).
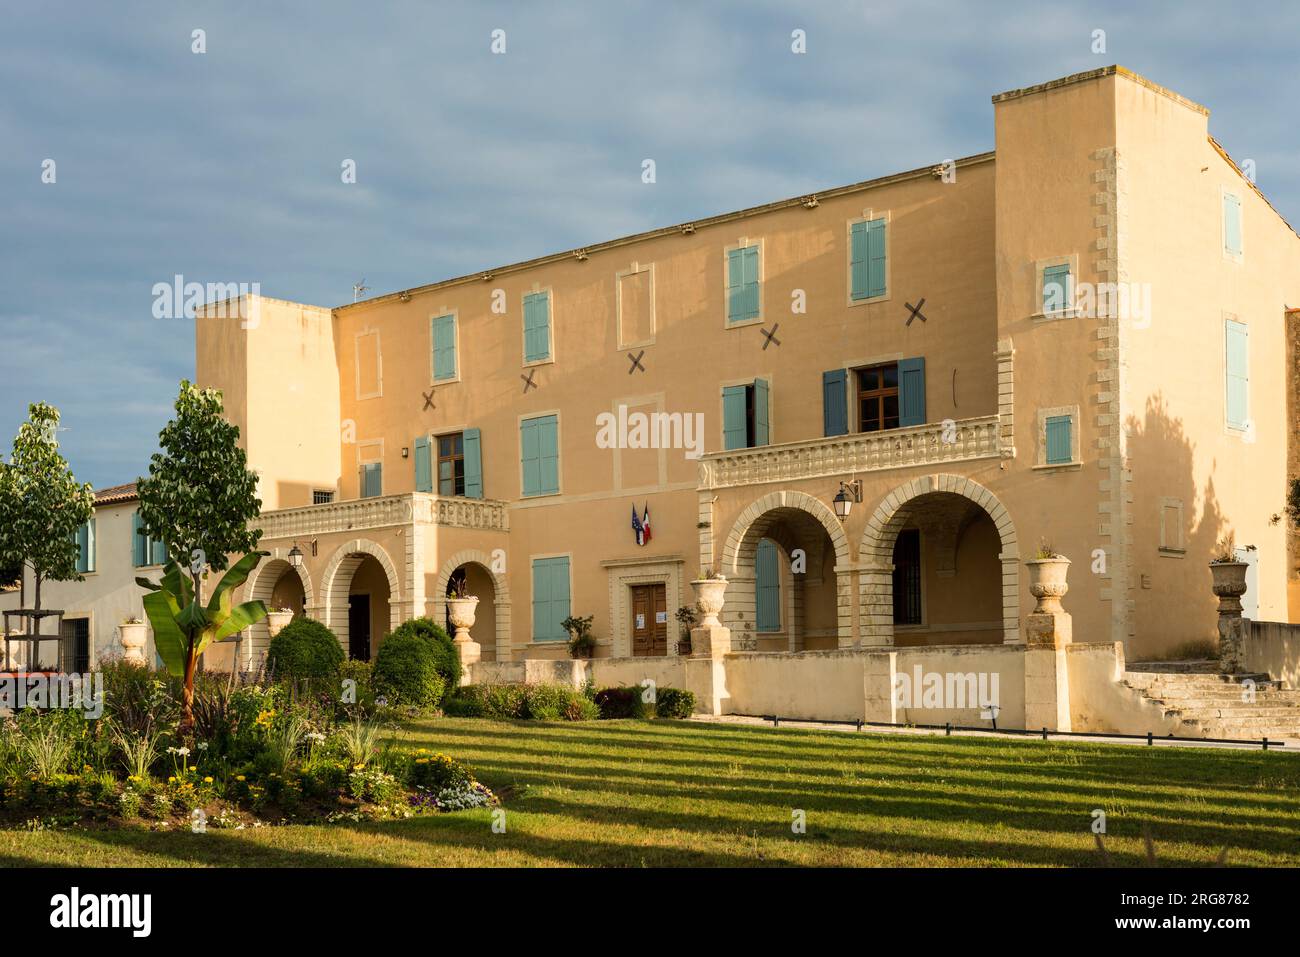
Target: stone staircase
(1211, 705)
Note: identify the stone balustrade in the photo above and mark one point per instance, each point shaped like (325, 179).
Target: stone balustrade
(384, 511)
(974, 438)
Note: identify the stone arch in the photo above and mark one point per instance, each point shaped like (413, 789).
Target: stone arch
(337, 579)
(261, 586)
(755, 523)
(876, 553)
(500, 594)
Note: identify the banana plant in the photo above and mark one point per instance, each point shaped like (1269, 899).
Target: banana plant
(183, 626)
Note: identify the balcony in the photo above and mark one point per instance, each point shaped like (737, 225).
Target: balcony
(858, 452)
(385, 511)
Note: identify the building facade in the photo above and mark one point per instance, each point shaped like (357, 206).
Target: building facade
(1084, 338)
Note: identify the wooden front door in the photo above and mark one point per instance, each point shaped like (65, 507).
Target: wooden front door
(649, 620)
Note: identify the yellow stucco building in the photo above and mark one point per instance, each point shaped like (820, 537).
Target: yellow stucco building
(1085, 336)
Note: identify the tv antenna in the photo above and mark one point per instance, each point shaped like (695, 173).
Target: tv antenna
(358, 288)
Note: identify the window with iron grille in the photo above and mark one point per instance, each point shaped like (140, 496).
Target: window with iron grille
(907, 577)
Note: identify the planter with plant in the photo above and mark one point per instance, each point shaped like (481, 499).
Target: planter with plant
(462, 608)
(277, 619)
(135, 635)
(581, 642)
(710, 591)
(1228, 573)
(687, 618)
(1047, 573)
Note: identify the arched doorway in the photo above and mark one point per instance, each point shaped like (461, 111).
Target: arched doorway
(940, 566)
(362, 597)
(472, 569)
(786, 561)
(280, 585)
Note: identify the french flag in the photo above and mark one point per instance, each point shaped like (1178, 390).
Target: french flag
(644, 538)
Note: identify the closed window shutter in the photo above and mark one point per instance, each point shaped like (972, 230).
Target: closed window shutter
(550, 598)
(80, 536)
(423, 465)
(750, 260)
(473, 464)
(835, 404)
(549, 444)
(875, 258)
(762, 413)
(444, 347)
(372, 480)
(1237, 369)
(541, 600)
(139, 544)
(530, 457)
(1232, 224)
(1060, 447)
(559, 596)
(537, 326)
(540, 455)
(858, 278)
(911, 392)
(1056, 288)
(734, 432)
(768, 584)
(735, 285)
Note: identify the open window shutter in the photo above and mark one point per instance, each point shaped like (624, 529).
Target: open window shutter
(768, 585)
(1232, 224)
(1237, 372)
(835, 405)
(735, 285)
(875, 258)
(911, 392)
(81, 537)
(750, 260)
(473, 464)
(90, 545)
(157, 552)
(444, 347)
(1060, 448)
(423, 465)
(139, 544)
(733, 417)
(762, 413)
(858, 282)
(548, 437)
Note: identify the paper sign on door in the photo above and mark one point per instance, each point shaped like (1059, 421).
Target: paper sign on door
(661, 617)
(640, 621)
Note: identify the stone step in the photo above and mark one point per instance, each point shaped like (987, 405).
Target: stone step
(1250, 724)
(1282, 715)
(1203, 666)
(1273, 699)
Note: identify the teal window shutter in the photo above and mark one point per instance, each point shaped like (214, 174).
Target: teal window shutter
(444, 348)
(1237, 372)
(540, 455)
(550, 598)
(735, 434)
(473, 464)
(1060, 446)
(858, 281)
(911, 392)
(157, 552)
(423, 465)
(742, 284)
(1232, 224)
(767, 575)
(875, 258)
(762, 413)
(835, 403)
(537, 326)
(1056, 288)
(750, 260)
(139, 544)
(372, 479)
(90, 545)
(82, 537)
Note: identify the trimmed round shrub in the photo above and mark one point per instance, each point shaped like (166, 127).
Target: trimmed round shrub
(446, 658)
(622, 703)
(305, 648)
(406, 672)
(556, 703)
(674, 703)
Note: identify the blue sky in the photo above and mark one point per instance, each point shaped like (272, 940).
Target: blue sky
(224, 166)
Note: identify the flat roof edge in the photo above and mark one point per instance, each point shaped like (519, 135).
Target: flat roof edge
(1089, 75)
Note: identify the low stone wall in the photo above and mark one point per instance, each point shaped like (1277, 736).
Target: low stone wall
(1274, 647)
(1099, 699)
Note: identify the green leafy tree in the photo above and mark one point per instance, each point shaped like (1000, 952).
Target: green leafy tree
(41, 505)
(198, 500)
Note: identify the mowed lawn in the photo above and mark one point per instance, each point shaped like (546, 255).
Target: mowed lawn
(664, 793)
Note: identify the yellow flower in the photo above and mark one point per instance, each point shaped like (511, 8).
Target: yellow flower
(239, 777)
(207, 780)
(172, 779)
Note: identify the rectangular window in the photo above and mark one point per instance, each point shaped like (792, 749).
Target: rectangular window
(746, 415)
(443, 331)
(767, 575)
(907, 577)
(537, 326)
(372, 479)
(451, 464)
(322, 496)
(1060, 443)
(550, 598)
(1231, 225)
(867, 259)
(540, 455)
(145, 551)
(878, 398)
(743, 294)
(1236, 372)
(1058, 289)
(85, 537)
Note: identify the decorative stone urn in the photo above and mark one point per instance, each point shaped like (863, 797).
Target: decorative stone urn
(1229, 585)
(1047, 583)
(709, 594)
(462, 613)
(276, 620)
(134, 635)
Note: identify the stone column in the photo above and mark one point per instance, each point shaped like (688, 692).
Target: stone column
(1229, 585)
(1048, 629)
(706, 670)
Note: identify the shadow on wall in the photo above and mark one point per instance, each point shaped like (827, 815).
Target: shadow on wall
(1171, 579)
